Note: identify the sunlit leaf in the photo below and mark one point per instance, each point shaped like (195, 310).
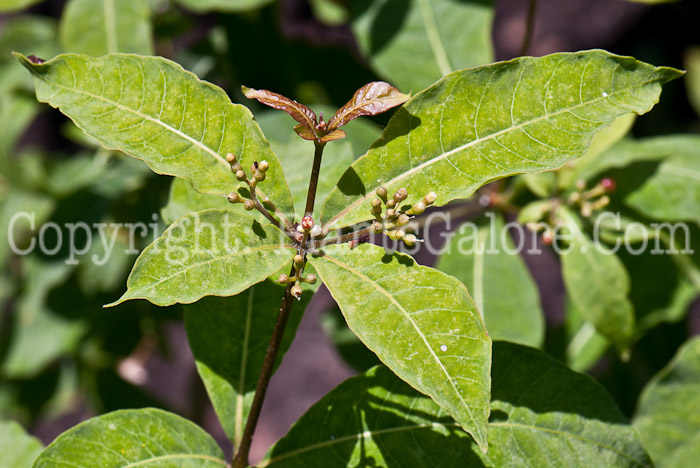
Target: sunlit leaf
(483, 257)
(413, 43)
(100, 27)
(130, 438)
(152, 109)
(597, 283)
(229, 338)
(233, 6)
(482, 124)
(692, 82)
(14, 5)
(299, 112)
(544, 415)
(212, 252)
(17, 448)
(420, 322)
(666, 416)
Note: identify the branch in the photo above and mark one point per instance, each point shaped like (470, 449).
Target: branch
(313, 183)
(529, 28)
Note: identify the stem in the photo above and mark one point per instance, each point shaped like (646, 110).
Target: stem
(529, 27)
(240, 460)
(313, 183)
(340, 239)
(259, 206)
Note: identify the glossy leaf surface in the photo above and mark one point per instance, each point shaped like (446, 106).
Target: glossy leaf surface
(372, 99)
(130, 438)
(420, 322)
(17, 448)
(482, 255)
(413, 43)
(666, 419)
(211, 252)
(229, 337)
(478, 125)
(100, 27)
(597, 283)
(152, 109)
(299, 112)
(544, 415)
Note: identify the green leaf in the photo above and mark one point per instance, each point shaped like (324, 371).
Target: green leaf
(16, 113)
(152, 109)
(17, 448)
(544, 415)
(596, 282)
(413, 43)
(673, 192)
(482, 255)
(692, 81)
(212, 252)
(478, 125)
(130, 438)
(183, 200)
(229, 6)
(41, 335)
(297, 155)
(100, 27)
(15, 5)
(420, 322)
(586, 346)
(229, 338)
(329, 12)
(17, 209)
(666, 416)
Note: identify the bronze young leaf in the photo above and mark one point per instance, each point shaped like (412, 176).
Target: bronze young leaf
(299, 112)
(372, 99)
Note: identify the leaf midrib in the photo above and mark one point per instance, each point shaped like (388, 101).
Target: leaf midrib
(110, 26)
(415, 326)
(433, 33)
(447, 154)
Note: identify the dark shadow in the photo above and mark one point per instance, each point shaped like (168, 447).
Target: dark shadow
(402, 259)
(351, 184)
(401, 124)
(388, 22)
(258, 230)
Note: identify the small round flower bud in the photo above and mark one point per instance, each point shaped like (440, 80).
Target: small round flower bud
(400, 195)
(283, 279)
(316, 231)
(547, 237)
(608, 184)
(381, 192)
(391, 203)
(390, 213)
(231, 158)
(240, 175)
(307, 222)
(376, 203)
(249, 205)
(376, 228)
(310, 278)
(410, 240)
(298, 261)
(235, 168)
(399, 234)
(296, 290)
(263, 166)
(233, 197)
(580, 184)
(430, 198)
(418, 208)
(259, 175)
(586, 210)
(298, 236)
(403, 220)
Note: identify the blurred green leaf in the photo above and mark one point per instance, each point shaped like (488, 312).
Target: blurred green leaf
(330, 12)
(229, 338)
(420, 322)
(482, 255)
(413, 43)
(133, 438)
(211, 252)
(7, 6)
(100, 27)
(596, 282)
(543, 415)
(22, 214)
(228, 6)
(482, 124)
(17, 448)
(152, 109)
(39, 335)
(16, 113)
(692, 79)
(585, 345)
(666, 416)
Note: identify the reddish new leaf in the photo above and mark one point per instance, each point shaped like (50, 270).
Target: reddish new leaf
(299, 112)
(372, 99)
(336, 134)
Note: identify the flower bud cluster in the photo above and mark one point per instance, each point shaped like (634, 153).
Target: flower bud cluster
(392, 220)
(593, 199)
(258, 171)
(298, 277)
